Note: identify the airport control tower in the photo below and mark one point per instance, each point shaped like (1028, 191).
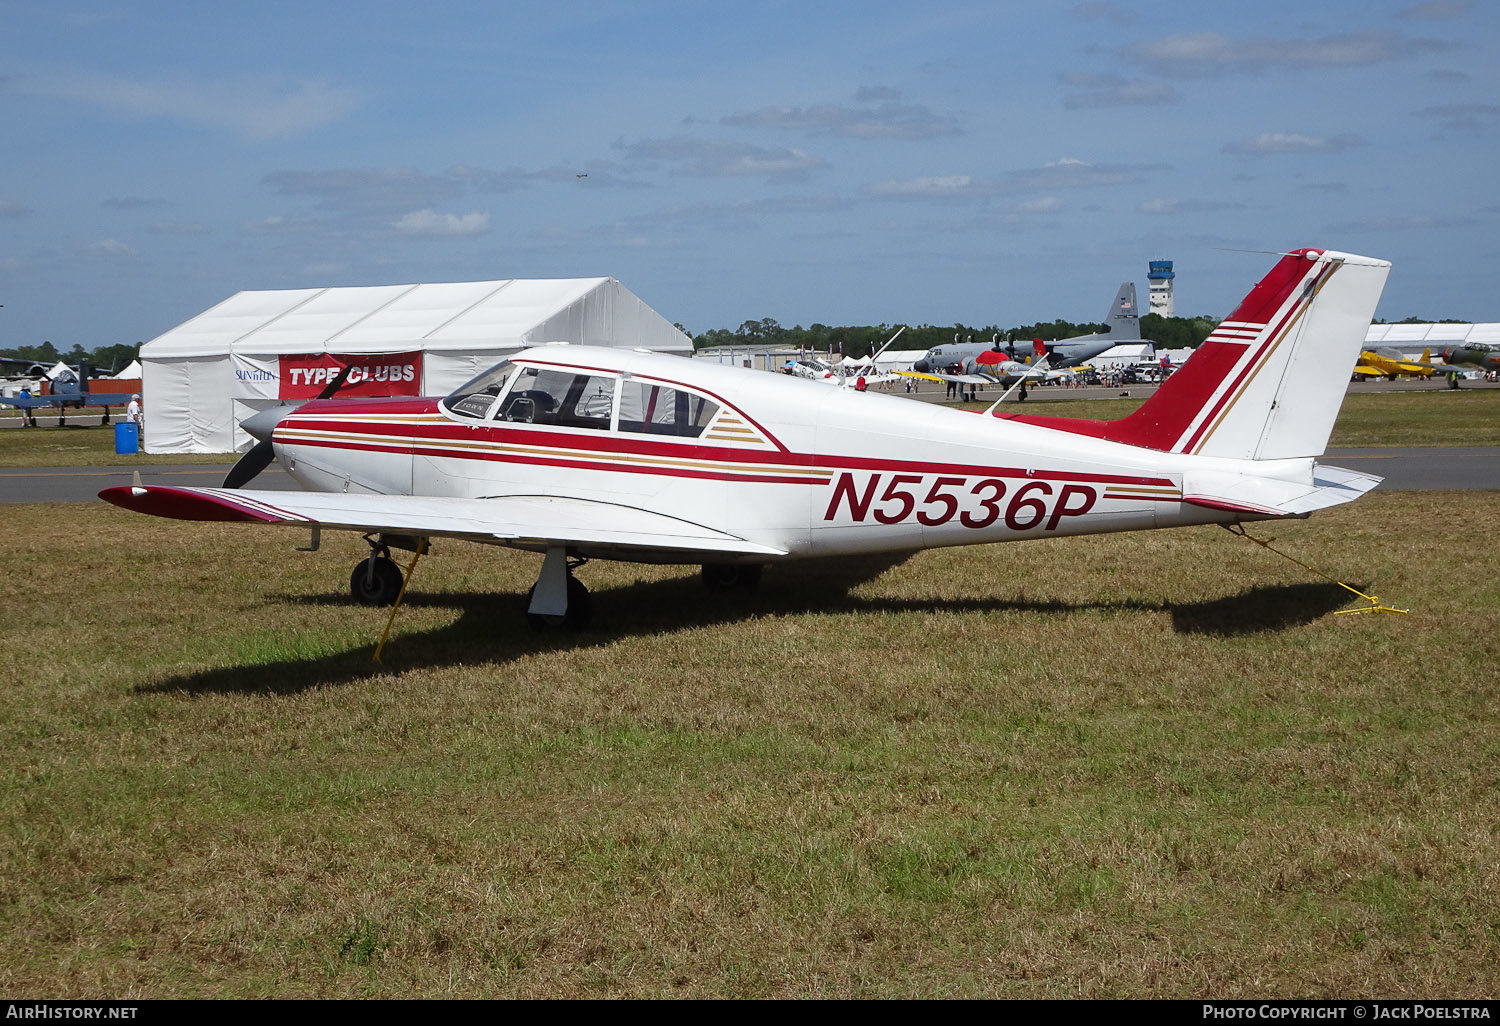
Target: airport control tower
(1160, 282)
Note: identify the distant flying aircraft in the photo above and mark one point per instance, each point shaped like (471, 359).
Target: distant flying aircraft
(579, 453)
(1122, 324)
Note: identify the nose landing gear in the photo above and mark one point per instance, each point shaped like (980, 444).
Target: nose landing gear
(558, 599)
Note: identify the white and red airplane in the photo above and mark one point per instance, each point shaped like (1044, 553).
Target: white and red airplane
(580, 452)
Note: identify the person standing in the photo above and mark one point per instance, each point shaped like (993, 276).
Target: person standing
(133, 415)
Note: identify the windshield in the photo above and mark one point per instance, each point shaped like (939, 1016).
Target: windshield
(475, 397)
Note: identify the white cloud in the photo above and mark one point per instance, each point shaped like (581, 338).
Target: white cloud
(431, 223)
(1043, 205)
(1067, 173)
(1399, 224)
(1211, 53)
(709, 158)
(179, 228)
(1436, 10)
(1166, 206)
(108, 248)
(926, 188)
(881, 116)
(1269, 143)
(258, 109)
(1114, 91)
(1101, 10)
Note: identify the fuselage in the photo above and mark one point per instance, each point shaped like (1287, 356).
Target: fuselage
(790, 464)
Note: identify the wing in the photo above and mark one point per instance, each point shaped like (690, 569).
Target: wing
(522, 520)
(962, 379)
(35, 402)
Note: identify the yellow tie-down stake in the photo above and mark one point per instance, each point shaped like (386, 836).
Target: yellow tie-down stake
(421, 548)
(1374, 600)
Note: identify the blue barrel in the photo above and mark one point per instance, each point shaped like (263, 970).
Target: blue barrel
(127, 438)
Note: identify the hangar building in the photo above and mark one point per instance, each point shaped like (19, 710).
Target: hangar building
(256, 349)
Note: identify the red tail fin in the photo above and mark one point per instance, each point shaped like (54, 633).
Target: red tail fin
(1039, 347)
(1200, 409)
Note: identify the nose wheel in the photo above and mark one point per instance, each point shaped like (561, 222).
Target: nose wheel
(558, 600)
(579, 614)
(731, 576)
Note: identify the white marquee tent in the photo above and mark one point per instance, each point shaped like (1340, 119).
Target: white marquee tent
(203, 377)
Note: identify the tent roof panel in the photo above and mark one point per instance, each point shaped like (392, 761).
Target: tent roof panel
(433, 316)
(515, 310)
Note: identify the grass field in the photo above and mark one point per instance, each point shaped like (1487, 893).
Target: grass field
(1438, 417)
(1132, 765)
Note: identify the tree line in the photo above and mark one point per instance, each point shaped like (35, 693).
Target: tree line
(858, 341)
(105, 359)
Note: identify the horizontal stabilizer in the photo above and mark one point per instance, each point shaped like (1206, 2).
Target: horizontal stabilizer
(1245, 493)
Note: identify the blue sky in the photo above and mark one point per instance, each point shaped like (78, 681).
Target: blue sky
(837, 162)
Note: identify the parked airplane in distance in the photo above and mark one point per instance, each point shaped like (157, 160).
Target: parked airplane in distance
(1479, 354)
(1122, 325)
(580, 453)
(1385, 362)
(68, 390)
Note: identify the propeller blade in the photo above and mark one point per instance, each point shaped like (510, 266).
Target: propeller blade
(334, 385)
(260, 425)
(253, 462)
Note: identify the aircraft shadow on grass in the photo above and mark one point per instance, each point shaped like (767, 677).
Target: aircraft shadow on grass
(488, 630)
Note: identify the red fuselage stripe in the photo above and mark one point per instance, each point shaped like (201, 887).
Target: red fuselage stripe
(706, 454)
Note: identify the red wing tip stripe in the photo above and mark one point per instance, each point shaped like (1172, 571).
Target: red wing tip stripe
(196, 504)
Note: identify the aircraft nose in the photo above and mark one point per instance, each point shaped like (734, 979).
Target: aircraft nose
(260, 425)
(922, 367)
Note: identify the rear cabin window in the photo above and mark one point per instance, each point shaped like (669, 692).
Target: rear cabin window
(568, 399)
(656, 409)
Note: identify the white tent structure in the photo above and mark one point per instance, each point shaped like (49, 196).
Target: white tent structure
(204, 376)
(1411, 339)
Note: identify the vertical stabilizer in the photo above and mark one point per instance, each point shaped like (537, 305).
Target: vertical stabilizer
(1268, 382)
(1123, 321)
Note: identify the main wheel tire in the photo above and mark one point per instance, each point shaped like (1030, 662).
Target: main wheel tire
(377, 586)
(728, 576)
(579, 615)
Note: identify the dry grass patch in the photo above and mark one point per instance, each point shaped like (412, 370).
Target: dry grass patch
(1144, 764)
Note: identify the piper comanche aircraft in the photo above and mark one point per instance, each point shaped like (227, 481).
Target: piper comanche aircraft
(579, 452)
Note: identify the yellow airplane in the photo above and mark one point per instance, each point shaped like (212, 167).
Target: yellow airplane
(1388, 363)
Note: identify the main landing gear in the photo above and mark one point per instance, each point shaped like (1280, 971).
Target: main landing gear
(377, 581)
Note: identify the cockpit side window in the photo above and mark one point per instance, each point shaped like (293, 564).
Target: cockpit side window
(475, 397)
(545, 396)
(657, 409)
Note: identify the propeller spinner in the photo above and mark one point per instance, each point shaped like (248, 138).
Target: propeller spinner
(260, 426)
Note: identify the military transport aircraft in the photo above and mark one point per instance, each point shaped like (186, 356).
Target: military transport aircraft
(580, 452)
(1122, 325)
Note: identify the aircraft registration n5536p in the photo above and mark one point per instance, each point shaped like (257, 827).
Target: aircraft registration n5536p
(581, 452)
